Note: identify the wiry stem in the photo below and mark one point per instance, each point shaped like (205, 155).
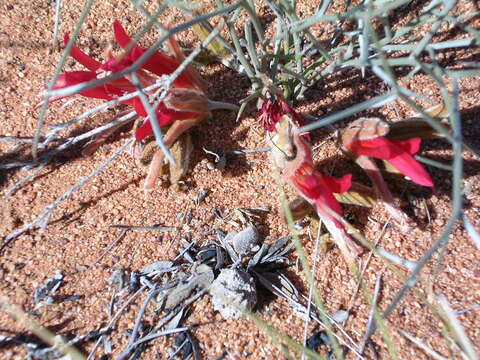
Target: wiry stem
(218, 105)
(41, 221)
(383, 193)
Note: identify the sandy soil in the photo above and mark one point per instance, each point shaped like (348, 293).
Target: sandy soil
(80, 229)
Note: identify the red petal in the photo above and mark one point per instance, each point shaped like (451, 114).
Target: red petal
(78, 77)
(167, 116)
(380, 148)
(312, 185)
(116, 64)
(137, 104)
(398, 153)
(161, 64)
(73, 78)
(338, 186)
(121, 85)
(304, 179)
(129, 102)
(411, 146)
(309, 185)
(121, 36)
(144, 130)
(98, 93)
(87, 61)
(410, 167)
(158, 63)
(298, 118)
(114, 91)
(269, 115)
(164, 117)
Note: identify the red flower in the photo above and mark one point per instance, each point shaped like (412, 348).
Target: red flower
(108, 91)
(185, 100)
(271, 112)
(317, 188)
(179, 104)
(397, 153)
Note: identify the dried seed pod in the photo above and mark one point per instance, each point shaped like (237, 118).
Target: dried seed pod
(233, 291)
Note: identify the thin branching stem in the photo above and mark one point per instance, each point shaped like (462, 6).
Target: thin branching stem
(58, 69)
(42, 220)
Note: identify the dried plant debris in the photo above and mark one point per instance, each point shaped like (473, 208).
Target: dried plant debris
(242, 243)
(43, 293)
(230, 269)
(340, 316)
(320, 339)
(38, 351)
(186, 346)
(234, 268)
(118, 279)
(248, 216)
(200, 278)
(158, 267)
(279, 285)
(134, 282)
(242, 216)
(233, 293)
(202, 194)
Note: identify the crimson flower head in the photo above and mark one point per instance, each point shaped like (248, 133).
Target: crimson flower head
(292, 155)
(271, 112)
(318, 190)
(315, 187)
(397, 153)
(185, 100)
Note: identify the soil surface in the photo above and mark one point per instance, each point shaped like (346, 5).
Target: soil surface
(80, 229)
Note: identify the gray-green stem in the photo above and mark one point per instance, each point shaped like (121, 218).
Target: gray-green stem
(217, 105)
